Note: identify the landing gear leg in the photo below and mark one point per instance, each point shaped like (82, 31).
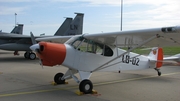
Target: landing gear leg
(158, 71)
(16, 53)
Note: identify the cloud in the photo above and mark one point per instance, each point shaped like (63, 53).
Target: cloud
(137, 13)
(11, 10)
(117, 2)
(13, 1)
(152, 2)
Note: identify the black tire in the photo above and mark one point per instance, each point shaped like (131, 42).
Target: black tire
(32, 56)
(159, 73)
(57, 78)
(86, 86)
(26, 55)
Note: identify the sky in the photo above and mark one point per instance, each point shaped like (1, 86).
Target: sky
(45, 16)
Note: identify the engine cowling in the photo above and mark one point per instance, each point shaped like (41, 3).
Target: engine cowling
(51, 54)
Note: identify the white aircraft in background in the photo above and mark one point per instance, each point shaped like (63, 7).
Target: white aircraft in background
(88, 53)
(16, 42)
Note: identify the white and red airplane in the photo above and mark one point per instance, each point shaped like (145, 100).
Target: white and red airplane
(87, 53)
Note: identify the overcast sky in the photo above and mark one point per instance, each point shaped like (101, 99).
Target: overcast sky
(45, 16)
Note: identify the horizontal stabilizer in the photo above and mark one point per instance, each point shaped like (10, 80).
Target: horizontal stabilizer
(173, 58)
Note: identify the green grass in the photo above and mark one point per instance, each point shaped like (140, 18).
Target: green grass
(171, 50)
(166, 50)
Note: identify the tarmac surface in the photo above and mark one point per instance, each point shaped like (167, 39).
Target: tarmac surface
(25, 80)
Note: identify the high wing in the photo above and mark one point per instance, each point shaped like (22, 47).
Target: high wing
(154, 37)
(166, 36)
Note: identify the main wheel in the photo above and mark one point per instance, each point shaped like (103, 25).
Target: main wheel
(32, 56)
(86, 86)
(26, 55)
(57, 78)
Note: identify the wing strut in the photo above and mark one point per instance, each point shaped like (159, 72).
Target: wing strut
(131, 49)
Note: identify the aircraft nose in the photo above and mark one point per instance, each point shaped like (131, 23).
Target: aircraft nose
(34, 47)
(50, 53)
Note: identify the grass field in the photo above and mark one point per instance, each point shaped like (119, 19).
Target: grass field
(145, 51)
(166, 50)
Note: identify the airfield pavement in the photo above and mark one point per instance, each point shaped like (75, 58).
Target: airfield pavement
(25, 80)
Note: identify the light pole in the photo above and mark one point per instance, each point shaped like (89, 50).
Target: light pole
(15, 18)
(121, 13)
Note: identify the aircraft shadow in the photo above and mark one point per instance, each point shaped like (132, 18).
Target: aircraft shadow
(6, 52)
(19, 59)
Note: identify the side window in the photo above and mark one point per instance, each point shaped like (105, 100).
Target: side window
(99, 50)
(76, 44)
(90, 46)
(108, 51)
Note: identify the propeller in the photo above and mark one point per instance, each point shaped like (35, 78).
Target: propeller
(35, 47)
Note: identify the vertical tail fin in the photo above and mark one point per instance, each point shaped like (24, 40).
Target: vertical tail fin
(76, 27)
(18, 29)
(63, 28)
(156, 55)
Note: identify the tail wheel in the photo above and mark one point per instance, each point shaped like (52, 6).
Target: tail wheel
(159, 73)
(86, 86)
(32, 56)
(58, 80)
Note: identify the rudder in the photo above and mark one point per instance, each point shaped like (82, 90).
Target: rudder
(156, 55)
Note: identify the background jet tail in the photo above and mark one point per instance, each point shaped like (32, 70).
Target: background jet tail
(63, 28)
(18, 29)
(156, 55)
(76, 27)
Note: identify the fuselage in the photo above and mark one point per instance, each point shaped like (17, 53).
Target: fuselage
(87, 61)
(86, 55)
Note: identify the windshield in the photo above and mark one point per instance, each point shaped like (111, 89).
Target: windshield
(85, 45)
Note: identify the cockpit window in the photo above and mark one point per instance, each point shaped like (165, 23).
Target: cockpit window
(86, 45)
